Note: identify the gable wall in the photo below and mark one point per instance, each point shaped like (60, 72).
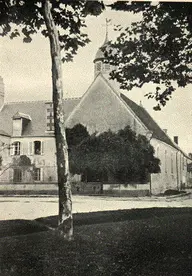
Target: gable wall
(102, 109)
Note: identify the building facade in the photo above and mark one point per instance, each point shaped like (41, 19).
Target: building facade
(27, 129)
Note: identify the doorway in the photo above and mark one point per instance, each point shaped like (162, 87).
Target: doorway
(17, 175)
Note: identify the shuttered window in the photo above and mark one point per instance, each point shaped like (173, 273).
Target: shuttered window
(49, 117)
(38, 174)
(36, 148)
(16, 148)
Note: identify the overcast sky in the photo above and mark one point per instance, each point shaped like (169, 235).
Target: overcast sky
(26, 70)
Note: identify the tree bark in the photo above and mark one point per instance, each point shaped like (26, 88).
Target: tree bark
(65, 217)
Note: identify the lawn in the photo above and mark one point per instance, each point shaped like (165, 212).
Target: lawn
(142, 242)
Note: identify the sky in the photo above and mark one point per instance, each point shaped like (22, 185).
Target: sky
(26, 71)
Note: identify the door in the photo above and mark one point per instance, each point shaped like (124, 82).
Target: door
(17, 175)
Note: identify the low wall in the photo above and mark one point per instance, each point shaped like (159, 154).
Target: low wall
(82, 188)
(78, 188)
(127, 189)
(28, 189)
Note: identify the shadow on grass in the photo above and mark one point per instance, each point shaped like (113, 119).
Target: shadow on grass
(142, 242)
(24, 227)
(20, 227)
(81, 219)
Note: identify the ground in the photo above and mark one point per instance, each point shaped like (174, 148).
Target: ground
(35, 207)
(141, 241)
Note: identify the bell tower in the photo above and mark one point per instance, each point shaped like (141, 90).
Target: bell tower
(99, 65)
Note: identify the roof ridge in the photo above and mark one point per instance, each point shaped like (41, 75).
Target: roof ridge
(46, 101)
(73, 98)
(19, 102)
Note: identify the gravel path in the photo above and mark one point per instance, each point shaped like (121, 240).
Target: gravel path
(35, 207)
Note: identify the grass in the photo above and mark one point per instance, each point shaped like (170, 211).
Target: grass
(145, 242)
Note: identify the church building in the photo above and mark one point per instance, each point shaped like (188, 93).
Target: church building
(27, 129)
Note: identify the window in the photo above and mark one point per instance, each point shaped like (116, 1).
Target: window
(49, 117)
(16, 148)
(37, 174)
(36, 147)
(17, 126)
(165, 161)
(98, 66)
(107, 67)
(171, 162)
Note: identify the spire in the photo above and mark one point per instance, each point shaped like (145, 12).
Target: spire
(108, 23)
(101, 66)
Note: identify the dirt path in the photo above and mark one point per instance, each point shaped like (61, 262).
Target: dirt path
(34, 207)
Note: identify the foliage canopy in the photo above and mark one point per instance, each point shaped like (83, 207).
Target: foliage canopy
(24, 17)
(122, 156)
(156, 49)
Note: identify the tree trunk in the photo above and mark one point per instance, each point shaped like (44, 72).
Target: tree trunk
(65, 221)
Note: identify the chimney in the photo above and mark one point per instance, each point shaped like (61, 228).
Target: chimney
(165, 130)
(2, 94)
(175, 138)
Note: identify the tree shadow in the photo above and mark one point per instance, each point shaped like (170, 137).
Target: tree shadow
(20, 227)
(81, 219)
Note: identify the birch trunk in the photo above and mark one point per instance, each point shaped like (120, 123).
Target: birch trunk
(65, 221)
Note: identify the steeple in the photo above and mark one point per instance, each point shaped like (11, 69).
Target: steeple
(108, 22)
(100, 66)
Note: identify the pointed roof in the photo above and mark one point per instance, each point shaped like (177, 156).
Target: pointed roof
(100, 52)
(101, 108)
(100, 55)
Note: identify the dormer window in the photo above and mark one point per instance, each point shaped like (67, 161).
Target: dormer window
(17, 126)
(20, 121)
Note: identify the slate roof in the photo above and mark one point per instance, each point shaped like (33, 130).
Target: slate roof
(149, 122)
(3, 133)
(37, 112)
(19, 115)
